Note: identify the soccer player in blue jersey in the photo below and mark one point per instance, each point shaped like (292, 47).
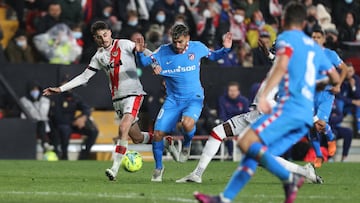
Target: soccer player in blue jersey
(180, 63)
(323, 103)
(298, 61)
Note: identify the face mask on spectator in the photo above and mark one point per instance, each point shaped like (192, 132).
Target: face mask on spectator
(21, 43)
(258, 22)
(160, 18)
(348, 1)
(239, 18)
(106, 14)
(182, 9)
(35, 93)
(358, 37)
(77, 35)
(133, 22)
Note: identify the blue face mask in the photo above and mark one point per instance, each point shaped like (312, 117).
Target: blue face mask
(77, 35)
(348, 1)
(106, 14)
(35, 94)
(160, 18)
(258, 22)
(21, 43)
(133, 23)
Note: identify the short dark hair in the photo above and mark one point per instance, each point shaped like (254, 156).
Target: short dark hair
(99, 25)
(295, 13)
(179, 30)
(318, 29)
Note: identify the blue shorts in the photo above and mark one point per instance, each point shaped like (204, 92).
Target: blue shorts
(282, 129)
(173, 110)
(323, 102)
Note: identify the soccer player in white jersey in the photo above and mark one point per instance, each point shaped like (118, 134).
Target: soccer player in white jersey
(116, 57)
(235, 127)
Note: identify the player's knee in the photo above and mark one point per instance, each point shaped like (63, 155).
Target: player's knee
(218, 132)
(187, 125)
(158, 136)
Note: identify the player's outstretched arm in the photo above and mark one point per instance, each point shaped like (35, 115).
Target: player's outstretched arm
(227, 42)
(51, 90)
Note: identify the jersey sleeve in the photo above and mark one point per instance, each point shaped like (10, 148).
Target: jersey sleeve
(284, 48)
(335, 59)
(127, 45)
(326, 65)
(94, 62)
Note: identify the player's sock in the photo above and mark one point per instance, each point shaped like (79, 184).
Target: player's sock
(120, 151)
(211, 147)
(188, 137)
(148, 137)
(158, 148)
(292, 167)
(268, 161)
(240, 177)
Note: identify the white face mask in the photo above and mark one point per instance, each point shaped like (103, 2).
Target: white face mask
(35, 94)
(239, 18)
(21, 43)
(358, 37)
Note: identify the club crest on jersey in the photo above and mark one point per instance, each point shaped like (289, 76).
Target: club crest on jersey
(191, 56)
(114, 54)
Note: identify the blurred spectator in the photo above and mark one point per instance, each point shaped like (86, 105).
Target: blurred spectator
(57, 45)
(121, 9)
(336, 117)
(324, 18)
(44, 23)
(349, 97)
(232, 103)
(342, 7)
(259, 58)
(153, 37)
(171, 8)
(131, 26)
(76, 32)
(71, 12)
(332, 40)
(311, 22)
(19, 50)
(250, 6)
(65, 120)
(257, 26)
(347, 31)
(238, 28)
(38, 107)
(358, 34)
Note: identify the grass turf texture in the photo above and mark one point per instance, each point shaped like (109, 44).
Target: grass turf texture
(85, 181)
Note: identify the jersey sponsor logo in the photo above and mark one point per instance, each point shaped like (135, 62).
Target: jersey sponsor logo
(114, 54)
(180, 69)
(191, 56)
(168, 62)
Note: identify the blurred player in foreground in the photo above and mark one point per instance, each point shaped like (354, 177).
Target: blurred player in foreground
(281, 126)
(116, 57)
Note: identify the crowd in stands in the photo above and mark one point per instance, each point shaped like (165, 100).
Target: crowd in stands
(58, 31)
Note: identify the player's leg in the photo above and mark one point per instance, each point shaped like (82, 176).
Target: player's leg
(166, 120)
(330, 136)
(314, 138)
(232, 127)
(138, 136)
(127, 110)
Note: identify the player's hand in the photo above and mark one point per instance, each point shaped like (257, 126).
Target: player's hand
(51, 90)
(320, 126)
(227, 42)
(157, 69)
(335, 89)
(264, 106)
(140, 44)
(263, 47)
(80, 121)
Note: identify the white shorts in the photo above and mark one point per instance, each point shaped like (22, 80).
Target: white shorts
(240, 122)
(130, 105)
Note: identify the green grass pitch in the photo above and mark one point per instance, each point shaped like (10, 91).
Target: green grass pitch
(85, 181)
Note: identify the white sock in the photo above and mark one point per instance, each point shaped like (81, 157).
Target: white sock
(147, 137)
(119, 152)
(211, 147)
(294, 168)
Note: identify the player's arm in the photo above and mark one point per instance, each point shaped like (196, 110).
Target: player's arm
(272, 80)
(145, 59)
(227, 43)
(343, 67)
(75, 82)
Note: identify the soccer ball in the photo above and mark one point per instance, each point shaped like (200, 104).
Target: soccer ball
(50, 156)
(132, 161)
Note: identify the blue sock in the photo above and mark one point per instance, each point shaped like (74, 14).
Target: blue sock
(188, 137)
(158, 148)
(240, 177)
(267, 160)
(329, 134)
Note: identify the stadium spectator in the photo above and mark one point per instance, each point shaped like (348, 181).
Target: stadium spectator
(347, 30)
(342, 7)
(132, 25)
(182, 85)
(52, 17)
(71, 12)
(38, 107)
(257, 26)
(345, 133)
(231, 103)
(259, 59)
(171, 8)
(349, 96)
(70, 114)
(19, 50)
(122, 72)
(263, 139)
(121, 9)
(237, 26)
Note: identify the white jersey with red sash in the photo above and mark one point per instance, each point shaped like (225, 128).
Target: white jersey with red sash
(118, 61)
